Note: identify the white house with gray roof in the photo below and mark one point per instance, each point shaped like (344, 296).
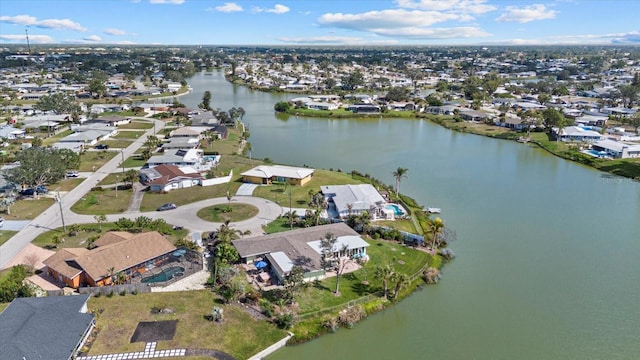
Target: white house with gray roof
(353, 199)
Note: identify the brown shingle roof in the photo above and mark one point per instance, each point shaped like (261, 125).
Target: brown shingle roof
(112, 237)
(122, 255)
(170, 172)
(62, 261)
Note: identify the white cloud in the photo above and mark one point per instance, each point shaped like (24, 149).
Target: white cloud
(632, 37)
(115, 32)
(385, 19)
(227, 8)
(526, 14)
(58, 24)
(462, 6)
(34, 39)
(335, 40)
(277, 9)
(434, 33)
(92, 38)
(174, 2)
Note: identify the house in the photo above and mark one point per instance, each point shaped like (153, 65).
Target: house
(314, 105)
(401, 106)
(205, 118)
(180, 157)
(576, 133)
(111, 120)
(11, 133)
(301, 247)
(181, 143)
(513, 122)
(441, 110)
(364, 108)
(266, 174)
(353, 199)
(473, 115)
(116, 252)
(186, 132)
(617, 149)
(163, 178)
(88, 137)
(52, 327)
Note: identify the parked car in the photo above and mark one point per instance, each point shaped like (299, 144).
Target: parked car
(1, 222)
(167, 206)
(40, 189)
(102, 146)
(72, 174)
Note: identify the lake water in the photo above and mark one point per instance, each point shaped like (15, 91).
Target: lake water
(548, 250)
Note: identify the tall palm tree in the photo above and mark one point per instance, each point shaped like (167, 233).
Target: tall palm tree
(399, 174)
(402, 280)
(384, 272)
(437, 226)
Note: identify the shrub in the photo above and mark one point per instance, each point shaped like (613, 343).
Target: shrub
(110, 294)
(351, 315)
(285, 320)
(123, 293)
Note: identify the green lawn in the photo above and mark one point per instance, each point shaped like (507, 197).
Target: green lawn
(151, 201)
(29, 208)
(221, 213)
(402, 259)
(3, 306)
(300, 196)
(66, 184)
(399, 224)
(134, 161)
(86, 231)
(112, 178)
(228, 146)
(103, 202)
(137, 124)
(47, 141)
(6, 235)
(93, 160)
(240, 335)
(129, 134)
(278, 225)
(236, 163)
(117, 144)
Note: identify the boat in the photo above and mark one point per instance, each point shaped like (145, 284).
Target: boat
(523, 140)
(433, 210)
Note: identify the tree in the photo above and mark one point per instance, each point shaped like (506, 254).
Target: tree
(397, 94)
(206, 101)
(58, 103)
(130, 176)
(402, 280)
(543, 98)
(100, 219)
(282, 106)
(96, 86)
(326, 250)
(629, 94)
(39, 166)
(398, 175)
(437, 226)
(384, 273)
(553, 118)
(353, 80)
(294, 281)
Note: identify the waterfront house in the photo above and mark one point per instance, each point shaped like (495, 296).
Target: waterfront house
(353, 199)
(301, 247)
(576, 133)
(115, 252)
(617, 149)
(180, 157)
(185, 143)
(51, 327)
(186, 132)
(266, 174)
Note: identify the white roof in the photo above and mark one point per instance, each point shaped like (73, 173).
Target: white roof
(282, 260)
(616, 145)
(266, 172)
(361, 196)
(350, 241)
(578, 131)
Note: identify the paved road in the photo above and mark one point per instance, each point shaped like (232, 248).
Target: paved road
(50, 218)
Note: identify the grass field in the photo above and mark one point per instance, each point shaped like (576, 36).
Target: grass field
(137, 124)
(29, 208)
(219, 213)
(227, 146)
(103, 202)
(151, 201)
(240, 335)
(91, 160)
(6, 235)
(129, 134)
(117, 143)
(134, 161)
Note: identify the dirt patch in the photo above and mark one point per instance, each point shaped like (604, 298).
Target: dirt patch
(150, 331)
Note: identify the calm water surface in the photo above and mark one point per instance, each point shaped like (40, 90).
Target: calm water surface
(548, 250)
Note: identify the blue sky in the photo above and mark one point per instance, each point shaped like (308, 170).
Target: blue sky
(321, 22)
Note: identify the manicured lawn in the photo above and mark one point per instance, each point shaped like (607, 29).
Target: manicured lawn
(112, 179)
(29, 208)
(6, 235)
(93, 160)
(55, 138)
(137, 124)
(228, 146)
(103, 202)
(128, 134)
(151, 201)
(400, 224)
(240, 335)
(66, 184)
(117, 144)
(236, 163)
(300, 196)
(86, 231)
(278, 225)
(134, 161)
(220, 213)
(402, 259)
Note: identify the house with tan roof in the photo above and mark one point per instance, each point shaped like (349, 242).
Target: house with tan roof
(115, 252)
(265, 174)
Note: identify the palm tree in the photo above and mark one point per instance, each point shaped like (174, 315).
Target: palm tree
(402, 280)
(437, 226)
(399, 174)
(384, 273)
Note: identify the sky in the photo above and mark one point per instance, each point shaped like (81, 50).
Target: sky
(320, 22)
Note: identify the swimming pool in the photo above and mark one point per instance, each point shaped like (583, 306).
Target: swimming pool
(210, 158)
(165, 275)
(397, 210)
(596, 153)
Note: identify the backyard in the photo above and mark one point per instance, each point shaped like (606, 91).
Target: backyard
(29, 208)
(240, 335)
(92, 160)
(108, 201)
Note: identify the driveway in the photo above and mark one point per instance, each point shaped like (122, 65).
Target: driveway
(14, 225)
(246, 189)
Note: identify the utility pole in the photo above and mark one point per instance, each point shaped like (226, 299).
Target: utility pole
(28, 45)
(290, 210)
(59, 200)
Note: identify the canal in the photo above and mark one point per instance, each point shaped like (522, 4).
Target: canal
(547, 250)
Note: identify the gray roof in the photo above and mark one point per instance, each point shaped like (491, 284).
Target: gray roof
(44, 327)
(293, 244)
(361, 196)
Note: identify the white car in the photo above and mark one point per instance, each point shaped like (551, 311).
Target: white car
(1, 222)
(72, 174)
